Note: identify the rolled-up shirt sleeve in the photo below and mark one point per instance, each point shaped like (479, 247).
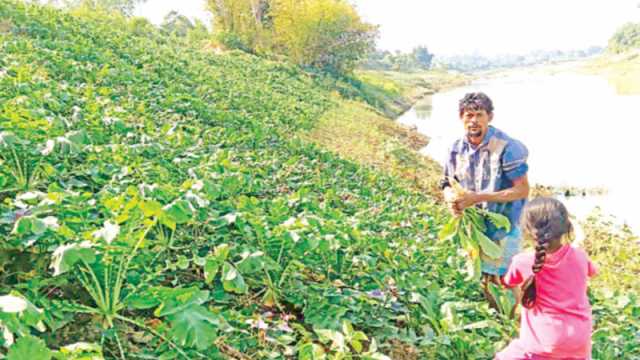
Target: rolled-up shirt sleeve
(514, 160)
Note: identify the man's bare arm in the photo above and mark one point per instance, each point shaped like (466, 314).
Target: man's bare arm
(519, 190)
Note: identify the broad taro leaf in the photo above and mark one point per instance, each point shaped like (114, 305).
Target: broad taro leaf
(176, 300)
(499, 220)
(194, 326)
(256, 262)
(179, 212)
(232, 280)
(449, 230)
(215, 261)
(489, 248)
(29, 347)
(66, 256)
(311, 351)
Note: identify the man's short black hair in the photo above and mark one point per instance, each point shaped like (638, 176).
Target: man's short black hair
(475, 101)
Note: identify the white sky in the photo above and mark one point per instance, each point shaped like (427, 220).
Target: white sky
(488, 27)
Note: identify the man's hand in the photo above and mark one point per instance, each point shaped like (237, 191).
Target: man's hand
(466, 200)
(450, 199)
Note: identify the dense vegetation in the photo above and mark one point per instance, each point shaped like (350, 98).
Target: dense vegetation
(322, 34)
(625, 39)
(419, 59)
(156, 202)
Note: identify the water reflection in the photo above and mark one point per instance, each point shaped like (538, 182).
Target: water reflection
(424, 107)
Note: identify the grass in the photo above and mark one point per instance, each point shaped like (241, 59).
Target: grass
(396, 92)
(356, 132)
(622, 71)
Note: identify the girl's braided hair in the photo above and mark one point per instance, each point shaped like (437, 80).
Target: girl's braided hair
(544, 219)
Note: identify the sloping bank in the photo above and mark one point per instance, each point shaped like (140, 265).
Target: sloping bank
(364, 130)
(156, 202)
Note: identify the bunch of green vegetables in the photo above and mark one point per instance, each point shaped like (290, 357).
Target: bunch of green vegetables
(468, 230)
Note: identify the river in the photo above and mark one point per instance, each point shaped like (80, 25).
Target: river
(580, 131)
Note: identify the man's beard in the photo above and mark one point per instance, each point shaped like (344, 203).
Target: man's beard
(471, 134)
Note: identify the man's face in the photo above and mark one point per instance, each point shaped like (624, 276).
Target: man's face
(476, 124)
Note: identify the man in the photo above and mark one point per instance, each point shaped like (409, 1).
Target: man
(493, 168)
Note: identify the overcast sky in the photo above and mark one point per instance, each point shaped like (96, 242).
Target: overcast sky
(488, 27)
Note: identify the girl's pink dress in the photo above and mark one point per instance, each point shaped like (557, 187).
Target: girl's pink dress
(559, 325)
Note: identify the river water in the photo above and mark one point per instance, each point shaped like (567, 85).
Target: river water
(580, 131)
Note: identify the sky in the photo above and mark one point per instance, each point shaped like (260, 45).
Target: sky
(486, 27)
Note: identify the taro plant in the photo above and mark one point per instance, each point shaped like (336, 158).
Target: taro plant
(20, 165)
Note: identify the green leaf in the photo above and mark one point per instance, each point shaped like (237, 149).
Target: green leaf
(66, 256)
(29, 347)
(143, 300)
(489, 247)
(194, 326)
(232, 280)
(151, 208)
(449, 229)
(179, 212)
(499, 220)
(38, 227)
(253, 263)
(311, 351)
(215, 261)
(22, 226)
(476, 219)
(211, 268)
(176, 300)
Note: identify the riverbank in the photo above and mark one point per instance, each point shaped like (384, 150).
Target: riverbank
(370, 135)
(399, 91)
(621, 70)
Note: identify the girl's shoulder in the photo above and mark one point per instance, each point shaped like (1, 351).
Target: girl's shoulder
(579, 252)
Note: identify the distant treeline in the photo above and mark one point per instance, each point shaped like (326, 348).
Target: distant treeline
(625, 39)
(418, 59)
(476, 62)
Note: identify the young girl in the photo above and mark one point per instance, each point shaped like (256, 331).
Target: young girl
(556, 314)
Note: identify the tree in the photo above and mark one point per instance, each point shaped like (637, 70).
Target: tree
(241, 23)
(325, 34)
(177, 24)
(626, 38)
(125, 7)
(423, 57)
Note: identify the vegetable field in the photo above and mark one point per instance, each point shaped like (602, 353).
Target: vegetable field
(155, 202)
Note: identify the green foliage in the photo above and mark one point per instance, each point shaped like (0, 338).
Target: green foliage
(241, 24)
(194, 223)
(326, 34)
(177, 24)
(625, 38)
(322, 34)
(468, 231)
(29, 347)
(418, 59)
(125, 7)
